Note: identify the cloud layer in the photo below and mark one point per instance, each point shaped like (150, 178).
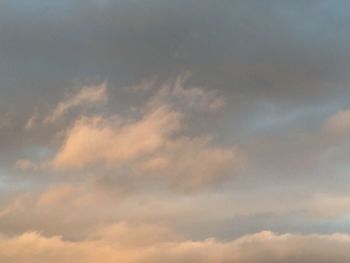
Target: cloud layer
(147, 244)
(177, 131)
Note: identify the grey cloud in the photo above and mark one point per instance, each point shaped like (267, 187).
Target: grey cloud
(274, 72)
(287, 50)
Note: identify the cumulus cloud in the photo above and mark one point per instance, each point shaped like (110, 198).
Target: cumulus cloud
(262, 247)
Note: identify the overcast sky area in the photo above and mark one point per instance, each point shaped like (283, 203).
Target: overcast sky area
(174, 131)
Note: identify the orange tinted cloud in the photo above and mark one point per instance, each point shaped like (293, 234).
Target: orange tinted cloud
(99, 139)
(263, 247)
(339, 124)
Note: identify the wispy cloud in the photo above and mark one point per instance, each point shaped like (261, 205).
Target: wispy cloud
(85, 97)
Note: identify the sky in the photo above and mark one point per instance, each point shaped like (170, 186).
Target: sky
(174, 131)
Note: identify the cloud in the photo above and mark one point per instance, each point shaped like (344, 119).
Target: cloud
(49, 210)
(149, 146)
(265, 77)
(113, 142)
(145, 85)
(263, 247)
(5, 120)
(134, 235)
(186, 97)
(329, 206)
(154, 143)
(85, 96)
(338, 124)
(192, 163)
(26, 165)
(56, 195)
(32, 122)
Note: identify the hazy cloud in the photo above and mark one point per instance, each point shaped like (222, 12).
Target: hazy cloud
(152, 131)
(261, 247)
